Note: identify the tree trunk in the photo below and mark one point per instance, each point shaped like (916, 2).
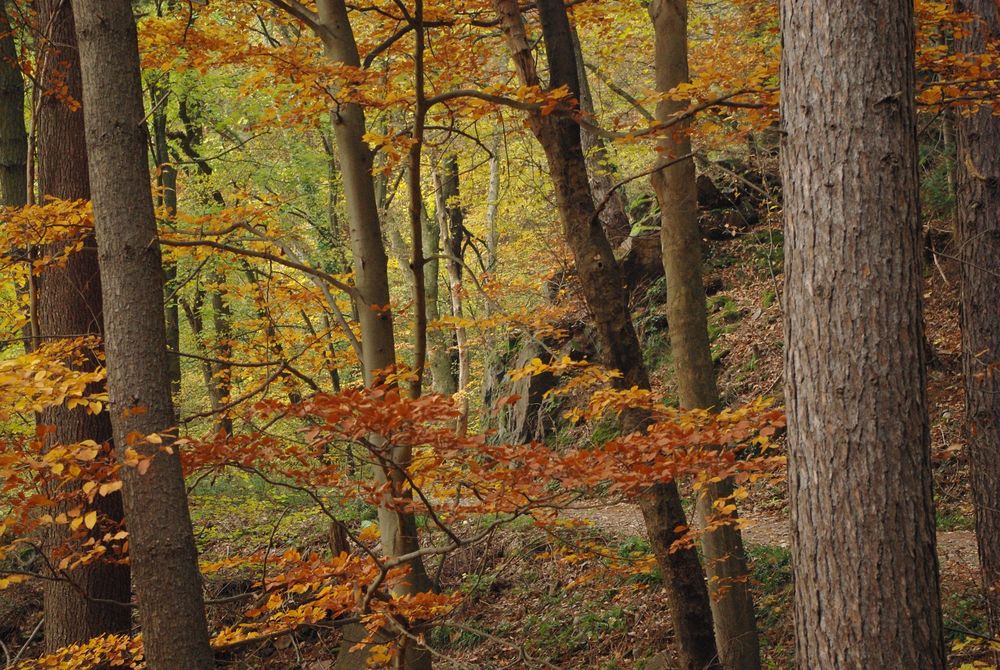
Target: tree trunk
(452, 222)
(978, 220)
(442, 376)
(161, 544)
(398, 529)
(600, 165)
(13, 145)
(493, 208)
(13, 137)
(222, 370)
(210, 371)
(69, 304)
(604, 292)
(863, 537)
(694, 372)
(166, 182)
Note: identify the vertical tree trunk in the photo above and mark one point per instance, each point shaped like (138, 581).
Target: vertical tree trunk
(13, 137)
(600, 164)
(442, 376)
(452, 222)
(863, 537)
(166, 182)
(13, 140)
(398, 529)
(978, 220)
(69, 304)
(222, 370)
(493, 207)
(161, 544)
(604, 292)
(694, 372)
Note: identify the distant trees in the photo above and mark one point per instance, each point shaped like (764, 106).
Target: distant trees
(162, 551)
(309, 127)
(863, 536)
(604, 291)
(978, 218)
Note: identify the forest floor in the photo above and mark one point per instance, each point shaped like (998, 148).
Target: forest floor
(530, 607)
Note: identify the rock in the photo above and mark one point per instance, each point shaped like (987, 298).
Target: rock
(709, 195)
(530, 416)
(641, 260)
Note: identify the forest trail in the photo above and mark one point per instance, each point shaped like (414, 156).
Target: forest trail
(625, 520)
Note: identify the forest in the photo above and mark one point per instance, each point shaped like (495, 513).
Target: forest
(500, 334)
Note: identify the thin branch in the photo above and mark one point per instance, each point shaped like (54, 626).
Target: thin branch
(330, 279)
(645, 173)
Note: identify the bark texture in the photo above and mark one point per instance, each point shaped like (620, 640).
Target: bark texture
(69, 304)
(452, 222)
(978, 219)
(863, 536)
(161, 544)
(604, 292)
(398, 529)
(600, 163)
(13, 137)
(443, 378)
(680, 240)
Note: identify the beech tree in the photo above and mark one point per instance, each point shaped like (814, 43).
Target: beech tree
(603, 289)
(978, 239)
(863, 536)
(70, 304)
(162, 552)
(694, 372)
(13, 137)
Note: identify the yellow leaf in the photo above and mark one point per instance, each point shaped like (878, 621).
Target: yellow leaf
(90, 520)
(109, 488)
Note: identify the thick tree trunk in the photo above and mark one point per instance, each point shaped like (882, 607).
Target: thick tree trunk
(604, 292)
(694, 372)
(69, 304)
(863, 537)
(13, 137)
(161, 544)
(978, 220)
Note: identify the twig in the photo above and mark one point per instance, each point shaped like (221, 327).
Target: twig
(28, 641)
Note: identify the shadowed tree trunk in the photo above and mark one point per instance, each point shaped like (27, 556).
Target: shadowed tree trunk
(600, 164)
(161, 544)
(13, 141)
(978, 220)
(166, 182)
(694, 372)
(13, 137)
(452, 223)
(398, 529)
(863, 537)
(442, 376)
(604, 292)
(69, 304)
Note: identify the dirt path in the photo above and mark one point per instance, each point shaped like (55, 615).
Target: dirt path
(623, 520)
